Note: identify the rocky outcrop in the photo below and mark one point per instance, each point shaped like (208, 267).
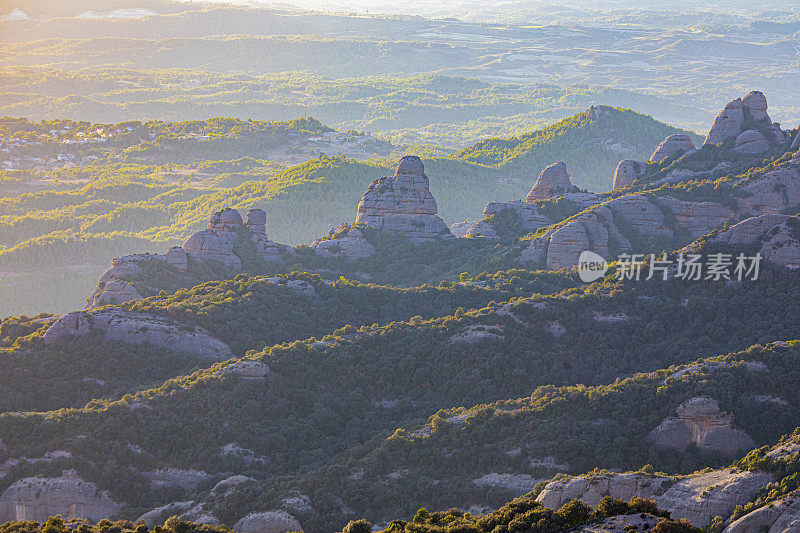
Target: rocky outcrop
(350, 246)
(37, 499)
(746, 120)
(215, 243)
(697, 498)
(701, 423)
(777, 235)
(695, 218)
(751, 142)
(627, 172)
(677, 144)
(268, 522)
(526, 217)
(773, 193)
(530, 218)
(781, 516)
(245, 369)
(553, 181)
(138, 328)
(403, 204)
(755, 104)
(796, 141)
(728, 123)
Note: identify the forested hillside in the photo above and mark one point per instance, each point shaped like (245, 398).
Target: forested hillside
(112, 190)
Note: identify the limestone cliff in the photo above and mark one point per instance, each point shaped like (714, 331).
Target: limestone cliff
(403, 204)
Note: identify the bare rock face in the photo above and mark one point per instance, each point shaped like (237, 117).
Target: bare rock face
(751, 142)
(749, 230)
(627, 172)
(673, 145)
(350, 247)
(177, 257)
(529, 216)
(268, 522)
(748, 112)
(781, 516)
(773, 193)
(728, 123)
(700, 422)
(691, 498)
(796, 141)
(123, 269)
(215, 243)
(37, 499)
(113, 292)
(254, 370)
(553, 181)
(697, 218)
(756, 104)
(403, 204)
(778, 235)
(138, 328)
(593, 488)
(697, 498)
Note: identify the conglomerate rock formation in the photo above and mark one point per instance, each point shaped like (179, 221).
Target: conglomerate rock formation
(402, 204)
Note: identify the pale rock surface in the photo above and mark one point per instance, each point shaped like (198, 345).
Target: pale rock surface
(749, 230)
(728, 123)
(113, 292)
(529, 216)
(460, 229)
(158, 515)
(778, 235)
(592, 488)
(717, 493)
(773, 193)
(138, 328)
(37, 499)
(268, 522)
(796, 141)
(674, 144)
(697, 498)
(640, 213)
(403, 204)
(627, 172)
(781, 516)
(697, 218)
(701, 422)
(751, 142)
(756, 105)
(215, 243)
(247, 369)
(553, 181)
(177, 257)
(350, 247)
